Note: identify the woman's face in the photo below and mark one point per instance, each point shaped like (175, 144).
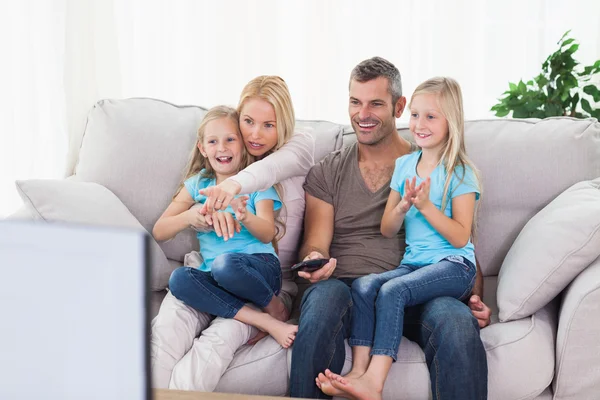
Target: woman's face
(259, 126)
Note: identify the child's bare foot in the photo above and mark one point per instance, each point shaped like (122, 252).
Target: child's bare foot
(283, 333)
(361, 388)
(323, 382)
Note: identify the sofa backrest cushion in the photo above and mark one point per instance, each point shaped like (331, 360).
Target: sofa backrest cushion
(524, 165)
(138, 149)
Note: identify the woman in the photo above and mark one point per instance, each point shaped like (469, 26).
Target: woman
(179, 358)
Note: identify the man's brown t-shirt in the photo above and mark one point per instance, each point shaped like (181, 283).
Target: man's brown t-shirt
(358, 244)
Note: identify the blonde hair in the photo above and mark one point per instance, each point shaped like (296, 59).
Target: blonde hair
(453, 154)
(274, 91)
(197, 162)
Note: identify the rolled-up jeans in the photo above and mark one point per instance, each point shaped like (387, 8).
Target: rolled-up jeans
(443, 327)
(380, 299)
(234, 279)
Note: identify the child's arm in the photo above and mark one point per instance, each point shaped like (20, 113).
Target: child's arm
(179, 216)
(456, 230)
(261, 225)
(396, 208)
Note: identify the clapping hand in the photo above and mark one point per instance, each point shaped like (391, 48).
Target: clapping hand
(409, 192)
(421, 194)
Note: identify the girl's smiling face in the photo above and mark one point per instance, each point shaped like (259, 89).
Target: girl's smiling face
(427, 123)
(222, 147)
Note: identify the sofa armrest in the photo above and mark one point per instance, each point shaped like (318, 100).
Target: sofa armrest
(578, 341)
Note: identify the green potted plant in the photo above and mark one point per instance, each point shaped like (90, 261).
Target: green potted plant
(559, 89)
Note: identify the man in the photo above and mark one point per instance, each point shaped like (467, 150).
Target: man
(346, 195)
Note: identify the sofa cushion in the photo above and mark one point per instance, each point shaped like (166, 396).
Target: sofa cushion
(88, 203)
(328, 136)
(524, 165)
(577, 345)
(265, 360)
(138, 149)
(553, 248)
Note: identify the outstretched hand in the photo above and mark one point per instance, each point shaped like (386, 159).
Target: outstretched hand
(219, 196)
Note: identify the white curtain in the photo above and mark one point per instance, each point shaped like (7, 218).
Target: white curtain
(60, 56)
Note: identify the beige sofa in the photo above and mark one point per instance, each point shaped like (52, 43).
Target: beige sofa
(135, 151)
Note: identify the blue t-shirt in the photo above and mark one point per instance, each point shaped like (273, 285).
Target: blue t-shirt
(424, 245)
(210, 244)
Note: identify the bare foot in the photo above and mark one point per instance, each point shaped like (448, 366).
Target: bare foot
(283, 333)
(323, 382)
(362, 388)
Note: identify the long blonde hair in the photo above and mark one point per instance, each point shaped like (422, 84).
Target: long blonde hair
(453, 154)
(197, 162)
(274, 91)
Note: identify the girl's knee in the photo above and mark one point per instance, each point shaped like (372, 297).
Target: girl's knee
(224, 266)
(178, 280)
(364, 287)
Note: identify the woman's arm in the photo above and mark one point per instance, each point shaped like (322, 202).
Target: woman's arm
(294, 158)
(178, 216)
(261, 225)
(456, 230)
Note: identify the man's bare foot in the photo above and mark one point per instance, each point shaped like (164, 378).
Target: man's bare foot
(277, 310)
(323, 382)
(362, 388)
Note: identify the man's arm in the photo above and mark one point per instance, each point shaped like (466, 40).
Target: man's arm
(318, 234)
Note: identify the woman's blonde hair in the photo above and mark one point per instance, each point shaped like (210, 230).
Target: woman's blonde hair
(453, 154)
(274, 91)
(197, 162)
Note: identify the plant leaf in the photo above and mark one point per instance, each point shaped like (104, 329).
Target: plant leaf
(593, 91)
(586, 105)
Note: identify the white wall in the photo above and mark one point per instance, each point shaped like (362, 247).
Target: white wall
(60, 56)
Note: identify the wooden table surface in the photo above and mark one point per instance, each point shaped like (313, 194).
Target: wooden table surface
(164, 394)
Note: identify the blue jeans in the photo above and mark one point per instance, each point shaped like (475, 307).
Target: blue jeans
(380, 299)
(444, 328)
(234, 279)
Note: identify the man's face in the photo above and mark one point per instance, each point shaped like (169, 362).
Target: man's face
(371, 111)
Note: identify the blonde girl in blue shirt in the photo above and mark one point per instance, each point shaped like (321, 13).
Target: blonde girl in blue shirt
(239, 268)
(434, 193)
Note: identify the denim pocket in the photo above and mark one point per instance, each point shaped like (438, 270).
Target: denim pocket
(466, 264)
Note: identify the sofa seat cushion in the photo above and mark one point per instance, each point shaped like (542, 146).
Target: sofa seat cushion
(260, 369)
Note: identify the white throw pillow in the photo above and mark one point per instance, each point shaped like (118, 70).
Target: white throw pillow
(88, 203)
(552, 249)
